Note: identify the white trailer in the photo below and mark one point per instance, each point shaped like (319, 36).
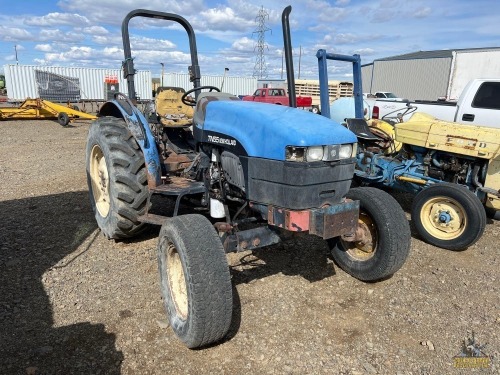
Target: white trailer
(471, 64)
(32, 81)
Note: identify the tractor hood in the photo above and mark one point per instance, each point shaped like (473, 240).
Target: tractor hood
(264, 130)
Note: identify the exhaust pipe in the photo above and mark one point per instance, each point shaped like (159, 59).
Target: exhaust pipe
(288, 56)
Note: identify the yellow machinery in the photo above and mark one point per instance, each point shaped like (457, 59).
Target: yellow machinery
(43, 109)
(453, 170)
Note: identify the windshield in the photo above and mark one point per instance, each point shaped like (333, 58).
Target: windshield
(390, 95)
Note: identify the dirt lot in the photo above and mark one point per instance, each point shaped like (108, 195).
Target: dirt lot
(73, 302)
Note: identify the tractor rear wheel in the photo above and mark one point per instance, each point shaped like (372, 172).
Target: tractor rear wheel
(448, 216)
(116, 177)
(195, 280)
(386, 242)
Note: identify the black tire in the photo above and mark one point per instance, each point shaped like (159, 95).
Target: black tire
(448, 216)
(63, 118)
(389, 233)
(195, 280)
(116, 177)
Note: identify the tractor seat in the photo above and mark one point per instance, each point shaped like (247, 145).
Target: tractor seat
(359, 127)
(206, 97)
(171, 111)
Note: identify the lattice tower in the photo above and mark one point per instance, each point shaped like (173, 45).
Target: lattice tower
(260, 68)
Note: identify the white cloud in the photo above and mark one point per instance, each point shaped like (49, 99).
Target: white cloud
(144, 43)
(95, 30)
(43, 47)
(364, 51)
(57, 19)
(14, 34)
(223, 19)
(422, 12)
(243, 44)
(59, 36)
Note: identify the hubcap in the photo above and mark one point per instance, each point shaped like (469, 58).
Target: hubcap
(366, 248)
(100, 180)
(177, 281)
(443, 218)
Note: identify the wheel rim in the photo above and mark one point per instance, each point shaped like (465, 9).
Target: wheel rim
(443, 218)
(177, 281)
(100, 181)
(365, 249)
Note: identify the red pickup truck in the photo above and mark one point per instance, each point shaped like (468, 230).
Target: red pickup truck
(277, 96)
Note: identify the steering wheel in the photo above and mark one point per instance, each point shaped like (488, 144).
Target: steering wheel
(395, 118)
(191, 102)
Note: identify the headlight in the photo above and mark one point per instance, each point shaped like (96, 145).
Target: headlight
(345, 151)
(320, 153)
(314, 153)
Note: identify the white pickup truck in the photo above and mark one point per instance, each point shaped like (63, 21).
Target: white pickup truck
(479, 104)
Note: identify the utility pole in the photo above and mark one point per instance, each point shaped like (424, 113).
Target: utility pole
(15, 49)
(162, 70)
(260, 68)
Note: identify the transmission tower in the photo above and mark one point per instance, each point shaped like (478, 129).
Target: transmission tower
(260, 68)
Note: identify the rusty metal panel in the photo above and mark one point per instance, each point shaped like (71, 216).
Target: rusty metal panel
(292, 220)
(21, 81)
(334, 221)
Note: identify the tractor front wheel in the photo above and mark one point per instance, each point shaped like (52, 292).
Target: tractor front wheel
(195, 281)
(448, 216)
(385, 243)
(116, 177)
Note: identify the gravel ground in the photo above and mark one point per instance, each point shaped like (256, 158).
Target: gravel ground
(73, 302)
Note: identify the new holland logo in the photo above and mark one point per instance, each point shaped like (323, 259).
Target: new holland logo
(223, 141)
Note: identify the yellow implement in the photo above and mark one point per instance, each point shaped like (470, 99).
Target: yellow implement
(43, 109)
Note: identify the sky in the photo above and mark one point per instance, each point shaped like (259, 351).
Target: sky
(87, 33)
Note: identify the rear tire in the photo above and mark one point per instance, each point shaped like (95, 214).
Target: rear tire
(195, 280)
(116, 177)
(389, 237)
(448, 216)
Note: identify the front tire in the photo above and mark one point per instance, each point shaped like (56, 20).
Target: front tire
(387, 242)
(195, 280)
(448, 216)
(116, 177)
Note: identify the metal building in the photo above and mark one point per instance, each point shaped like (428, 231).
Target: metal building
(70, 83)
(430, 75)
(231, 85)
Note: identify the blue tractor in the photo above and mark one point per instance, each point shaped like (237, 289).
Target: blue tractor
(446, 170)
(257, 170)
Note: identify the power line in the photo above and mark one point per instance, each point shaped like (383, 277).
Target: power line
(260, 68)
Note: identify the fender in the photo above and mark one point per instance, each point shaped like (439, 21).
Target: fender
(122, 107)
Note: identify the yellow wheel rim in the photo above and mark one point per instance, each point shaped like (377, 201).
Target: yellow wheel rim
(366, 249)
(177, 281)
(443, 218)
(100, 180)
